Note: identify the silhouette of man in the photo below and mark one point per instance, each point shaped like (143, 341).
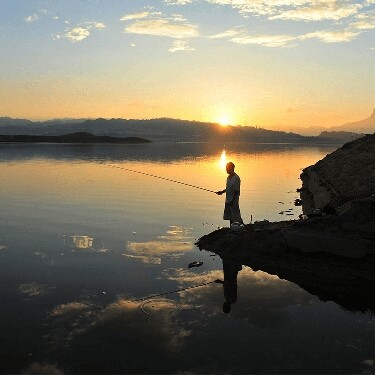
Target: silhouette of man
(231, 268)
(232, 191)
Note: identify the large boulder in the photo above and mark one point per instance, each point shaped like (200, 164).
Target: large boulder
(345, 175)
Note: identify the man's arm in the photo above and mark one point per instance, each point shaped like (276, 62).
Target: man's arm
(220, 192)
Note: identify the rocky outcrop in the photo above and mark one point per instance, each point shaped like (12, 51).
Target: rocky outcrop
(341, 177)
(342, 188)
(331, 253)
(350, 234)
(346, 281)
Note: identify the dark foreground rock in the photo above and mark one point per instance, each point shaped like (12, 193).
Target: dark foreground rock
(348, 282)
(330, 255)
(341, 177)
(350, 234)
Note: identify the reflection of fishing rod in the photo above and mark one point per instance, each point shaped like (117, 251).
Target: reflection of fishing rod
(161, 178)
(217, 281)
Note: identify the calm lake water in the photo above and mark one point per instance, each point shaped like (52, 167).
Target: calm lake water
(92, 258)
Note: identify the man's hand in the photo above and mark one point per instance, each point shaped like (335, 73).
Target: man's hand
(220, 192)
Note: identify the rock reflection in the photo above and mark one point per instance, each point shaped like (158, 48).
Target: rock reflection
(264, 299)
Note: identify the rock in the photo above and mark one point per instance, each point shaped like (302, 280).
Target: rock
(338, 197)
(342, 176)
(331, 252)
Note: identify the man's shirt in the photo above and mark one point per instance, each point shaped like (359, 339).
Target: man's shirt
(233, 185)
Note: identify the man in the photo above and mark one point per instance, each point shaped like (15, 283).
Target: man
(232, 191)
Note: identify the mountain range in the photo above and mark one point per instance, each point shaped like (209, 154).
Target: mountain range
(366, 126)
(166, 129)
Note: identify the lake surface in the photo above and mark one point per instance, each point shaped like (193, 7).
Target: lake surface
(94, 258)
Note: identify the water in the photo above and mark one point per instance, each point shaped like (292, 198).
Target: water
(83, 247)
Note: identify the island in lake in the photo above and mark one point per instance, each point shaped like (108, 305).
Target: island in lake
(77, 137)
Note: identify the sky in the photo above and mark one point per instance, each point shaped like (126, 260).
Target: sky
(272, 63)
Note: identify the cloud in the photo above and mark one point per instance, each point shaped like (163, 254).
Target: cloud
(259, 7)
(81, 32)
(297, 10)
(363, 25)
(77, 34)
(34, 17)
(158, 247)
(181, 45)
(366, 21)
(284, 40)
(176, 242)
(265, 40)
(332, 36)
(226, 34)
(179, 18)
(33, 289)
(134, 16)
(163, 27)
(42, 369)
(69, 308)
(96, 25)
(145, 259)
(177, 2)
(326, 10)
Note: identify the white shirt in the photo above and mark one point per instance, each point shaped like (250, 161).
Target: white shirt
(233, 185)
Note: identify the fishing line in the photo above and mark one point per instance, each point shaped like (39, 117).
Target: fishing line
(155, 176)
(217, 281)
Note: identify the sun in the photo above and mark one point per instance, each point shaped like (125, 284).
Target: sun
(224, 121)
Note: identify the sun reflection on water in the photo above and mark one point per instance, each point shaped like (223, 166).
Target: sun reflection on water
(223, 160)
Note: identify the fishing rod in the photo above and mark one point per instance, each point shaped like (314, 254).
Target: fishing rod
(155, 176)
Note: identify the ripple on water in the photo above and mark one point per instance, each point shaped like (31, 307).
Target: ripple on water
(160, 306)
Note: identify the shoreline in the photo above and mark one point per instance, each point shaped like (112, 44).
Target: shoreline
(332, 252)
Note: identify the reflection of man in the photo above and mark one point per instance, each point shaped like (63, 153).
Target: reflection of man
(232, 191)
(231, 268)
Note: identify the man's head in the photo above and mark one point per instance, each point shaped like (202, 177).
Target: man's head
(226, 307)
(230, 168)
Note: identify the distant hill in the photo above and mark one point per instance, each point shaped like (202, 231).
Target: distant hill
(8, 121)
(340, 136)
(366, 126)
(163, 129)
(78, 137)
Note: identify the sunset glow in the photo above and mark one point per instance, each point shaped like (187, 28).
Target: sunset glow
(224, 121)
(264, 63)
